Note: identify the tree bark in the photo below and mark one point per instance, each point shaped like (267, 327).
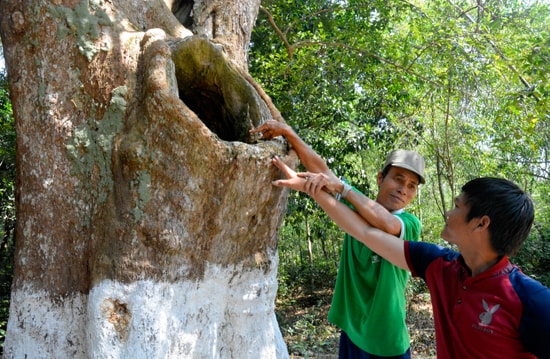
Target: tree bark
(146, 222)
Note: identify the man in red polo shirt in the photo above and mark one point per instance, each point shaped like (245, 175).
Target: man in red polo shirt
(484, 306)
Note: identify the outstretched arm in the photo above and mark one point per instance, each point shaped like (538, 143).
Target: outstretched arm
(323, 178)
(309, 158)
(386, 245)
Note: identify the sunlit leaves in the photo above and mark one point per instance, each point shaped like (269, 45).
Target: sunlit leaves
(466, 83)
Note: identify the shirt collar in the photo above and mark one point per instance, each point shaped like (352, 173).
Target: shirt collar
(501, 267)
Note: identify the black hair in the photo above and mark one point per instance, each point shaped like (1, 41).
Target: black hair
(510, 209)
(385, 171)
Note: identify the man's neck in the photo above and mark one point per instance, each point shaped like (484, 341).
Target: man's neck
(479, 263)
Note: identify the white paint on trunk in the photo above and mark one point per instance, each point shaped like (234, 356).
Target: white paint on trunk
(228, 314)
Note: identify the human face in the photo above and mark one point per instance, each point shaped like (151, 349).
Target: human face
(397, 189)
(456, 226)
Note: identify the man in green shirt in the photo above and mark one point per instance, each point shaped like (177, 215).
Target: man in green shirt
(369, 297)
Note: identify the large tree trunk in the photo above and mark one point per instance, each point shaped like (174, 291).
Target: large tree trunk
(147, 225)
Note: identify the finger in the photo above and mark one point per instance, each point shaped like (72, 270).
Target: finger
(278, 163)
(266, 134)
(290, 183)
(258, 129)
(287, 171)
(265, 126)
(317, 185)
(280, 183)
(307, 185)
(323, 185)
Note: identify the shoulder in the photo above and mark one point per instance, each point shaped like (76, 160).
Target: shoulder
(420, 255)
(530, 291)
(432, 251)
(535, 318)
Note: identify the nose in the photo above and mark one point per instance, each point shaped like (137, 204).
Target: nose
(402, 189)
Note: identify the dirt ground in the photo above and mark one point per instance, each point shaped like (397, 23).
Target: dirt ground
(308, 334)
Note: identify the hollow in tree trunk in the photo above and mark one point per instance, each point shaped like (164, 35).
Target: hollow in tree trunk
(146, 223)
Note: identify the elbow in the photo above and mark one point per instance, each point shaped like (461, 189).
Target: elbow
(393, 226)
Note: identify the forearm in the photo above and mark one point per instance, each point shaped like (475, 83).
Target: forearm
(309, 158)
(374, 213)
(386, 245)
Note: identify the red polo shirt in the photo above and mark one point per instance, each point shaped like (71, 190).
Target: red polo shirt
(501, 313)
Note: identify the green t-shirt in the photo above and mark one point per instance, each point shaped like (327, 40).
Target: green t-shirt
(369, 296)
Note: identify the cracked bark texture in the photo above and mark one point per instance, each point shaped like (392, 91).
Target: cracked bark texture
(147, 224)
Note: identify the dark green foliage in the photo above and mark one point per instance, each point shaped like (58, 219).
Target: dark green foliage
(357, 79)
(465, 85)
(534, 257)
(7, 202)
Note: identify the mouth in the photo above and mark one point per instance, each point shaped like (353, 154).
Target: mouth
(397, 198)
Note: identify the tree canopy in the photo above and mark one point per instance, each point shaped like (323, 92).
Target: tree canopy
(465, 83)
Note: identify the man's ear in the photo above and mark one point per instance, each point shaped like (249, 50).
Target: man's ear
(484, 222)
(379, 178)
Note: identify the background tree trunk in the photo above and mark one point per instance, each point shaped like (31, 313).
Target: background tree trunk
(147, 225)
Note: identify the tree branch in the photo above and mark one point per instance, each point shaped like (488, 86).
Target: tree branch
(366, 53)
(530, 88)
(278, 31)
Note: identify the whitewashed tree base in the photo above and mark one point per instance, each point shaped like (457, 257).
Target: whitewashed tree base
(161, 320)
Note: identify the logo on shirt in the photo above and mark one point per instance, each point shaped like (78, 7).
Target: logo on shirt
(487, 316)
